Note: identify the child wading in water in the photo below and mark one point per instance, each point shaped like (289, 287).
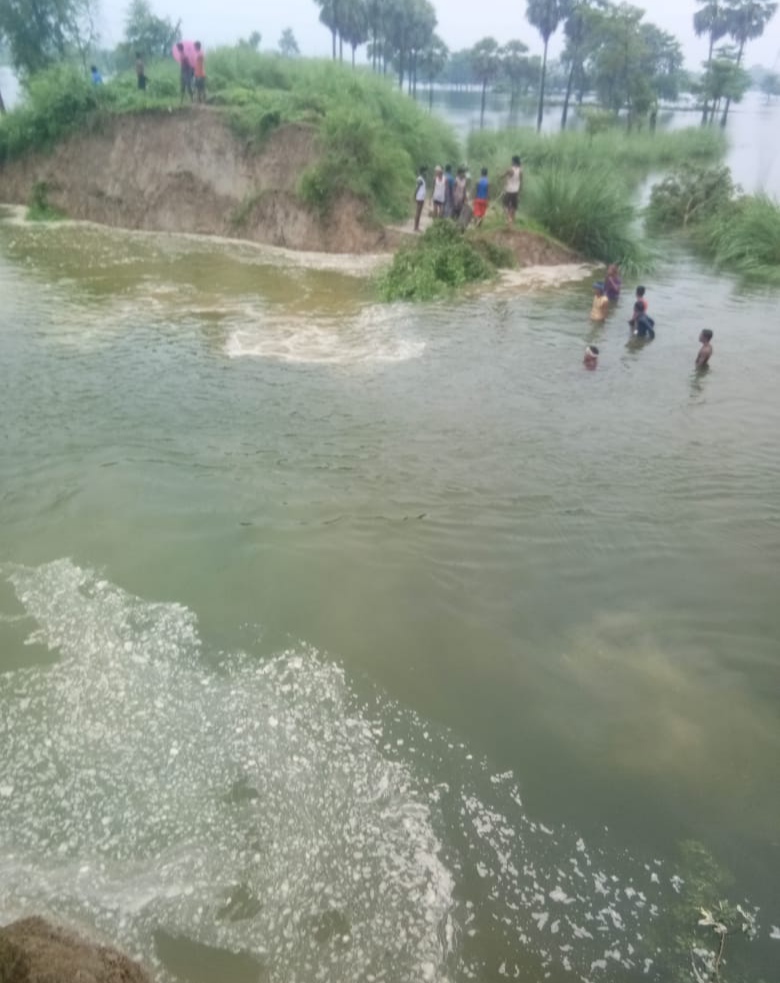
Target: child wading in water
(598, 311)
(591, 359)
(705, 352)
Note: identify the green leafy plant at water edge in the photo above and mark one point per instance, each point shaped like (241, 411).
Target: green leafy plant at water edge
(739, 233)
(441, 260)
(589, 210)
(689, 196)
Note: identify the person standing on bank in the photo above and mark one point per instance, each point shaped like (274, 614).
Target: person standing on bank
(200, 73)
(140, 71)
(185, 73)
(419, 197)
(512, 189)
(439, 192)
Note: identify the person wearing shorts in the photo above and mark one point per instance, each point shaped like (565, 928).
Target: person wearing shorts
(419, 197)
(185, 73)
(480, 203)
(200, 73)
(140, 71)
(512, 189)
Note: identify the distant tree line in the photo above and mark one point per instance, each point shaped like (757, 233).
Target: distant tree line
(610, 50)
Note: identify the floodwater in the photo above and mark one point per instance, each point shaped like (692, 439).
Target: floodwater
(346, 642)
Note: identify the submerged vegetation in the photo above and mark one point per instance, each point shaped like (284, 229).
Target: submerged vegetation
(442, 259)
(701, 937)
(739, 233)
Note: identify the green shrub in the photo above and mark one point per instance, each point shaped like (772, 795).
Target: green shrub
(689, 196)
(588, 209)
(743, 237)
(441, 260)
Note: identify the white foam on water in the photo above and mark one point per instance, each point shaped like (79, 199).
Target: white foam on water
(246, 806)
(263, 807)
(372, 336)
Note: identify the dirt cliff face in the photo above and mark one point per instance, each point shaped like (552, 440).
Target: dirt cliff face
(186, 171)
(33, 951)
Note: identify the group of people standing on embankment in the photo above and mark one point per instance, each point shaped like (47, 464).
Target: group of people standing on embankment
(451, 195)
(192, 71)
(606, 293)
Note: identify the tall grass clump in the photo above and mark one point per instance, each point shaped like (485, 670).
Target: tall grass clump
(633, 154)
(588, 209)
(744, 238)
(441, 260)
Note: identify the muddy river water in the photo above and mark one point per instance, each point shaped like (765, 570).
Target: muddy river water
(351, 642)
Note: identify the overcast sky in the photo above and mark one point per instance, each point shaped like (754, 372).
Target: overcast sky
(461, 23)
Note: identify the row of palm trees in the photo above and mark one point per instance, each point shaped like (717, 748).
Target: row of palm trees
(402, 34)
(739, 20)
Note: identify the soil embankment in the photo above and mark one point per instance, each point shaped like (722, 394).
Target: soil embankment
(34, 951)
(186, 171)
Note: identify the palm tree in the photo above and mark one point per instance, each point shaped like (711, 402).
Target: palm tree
(485, 64)
(329, 16)
(433, 60)
(514, 66)
(544, 15)
(354, 26)
(747, 20)
(710, 20)
(579, 28)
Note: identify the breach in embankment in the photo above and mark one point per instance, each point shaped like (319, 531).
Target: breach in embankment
(303, 154)
(315, 156)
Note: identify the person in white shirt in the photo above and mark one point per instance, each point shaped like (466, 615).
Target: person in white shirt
(439, 192)
(512, 189)
(419, 197)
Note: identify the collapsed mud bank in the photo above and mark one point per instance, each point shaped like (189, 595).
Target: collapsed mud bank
(33, 950)
(186, 171)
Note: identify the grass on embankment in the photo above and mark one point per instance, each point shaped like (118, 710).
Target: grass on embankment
(590, 210)
(630, 154)
(373, 138)
(580, 188)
